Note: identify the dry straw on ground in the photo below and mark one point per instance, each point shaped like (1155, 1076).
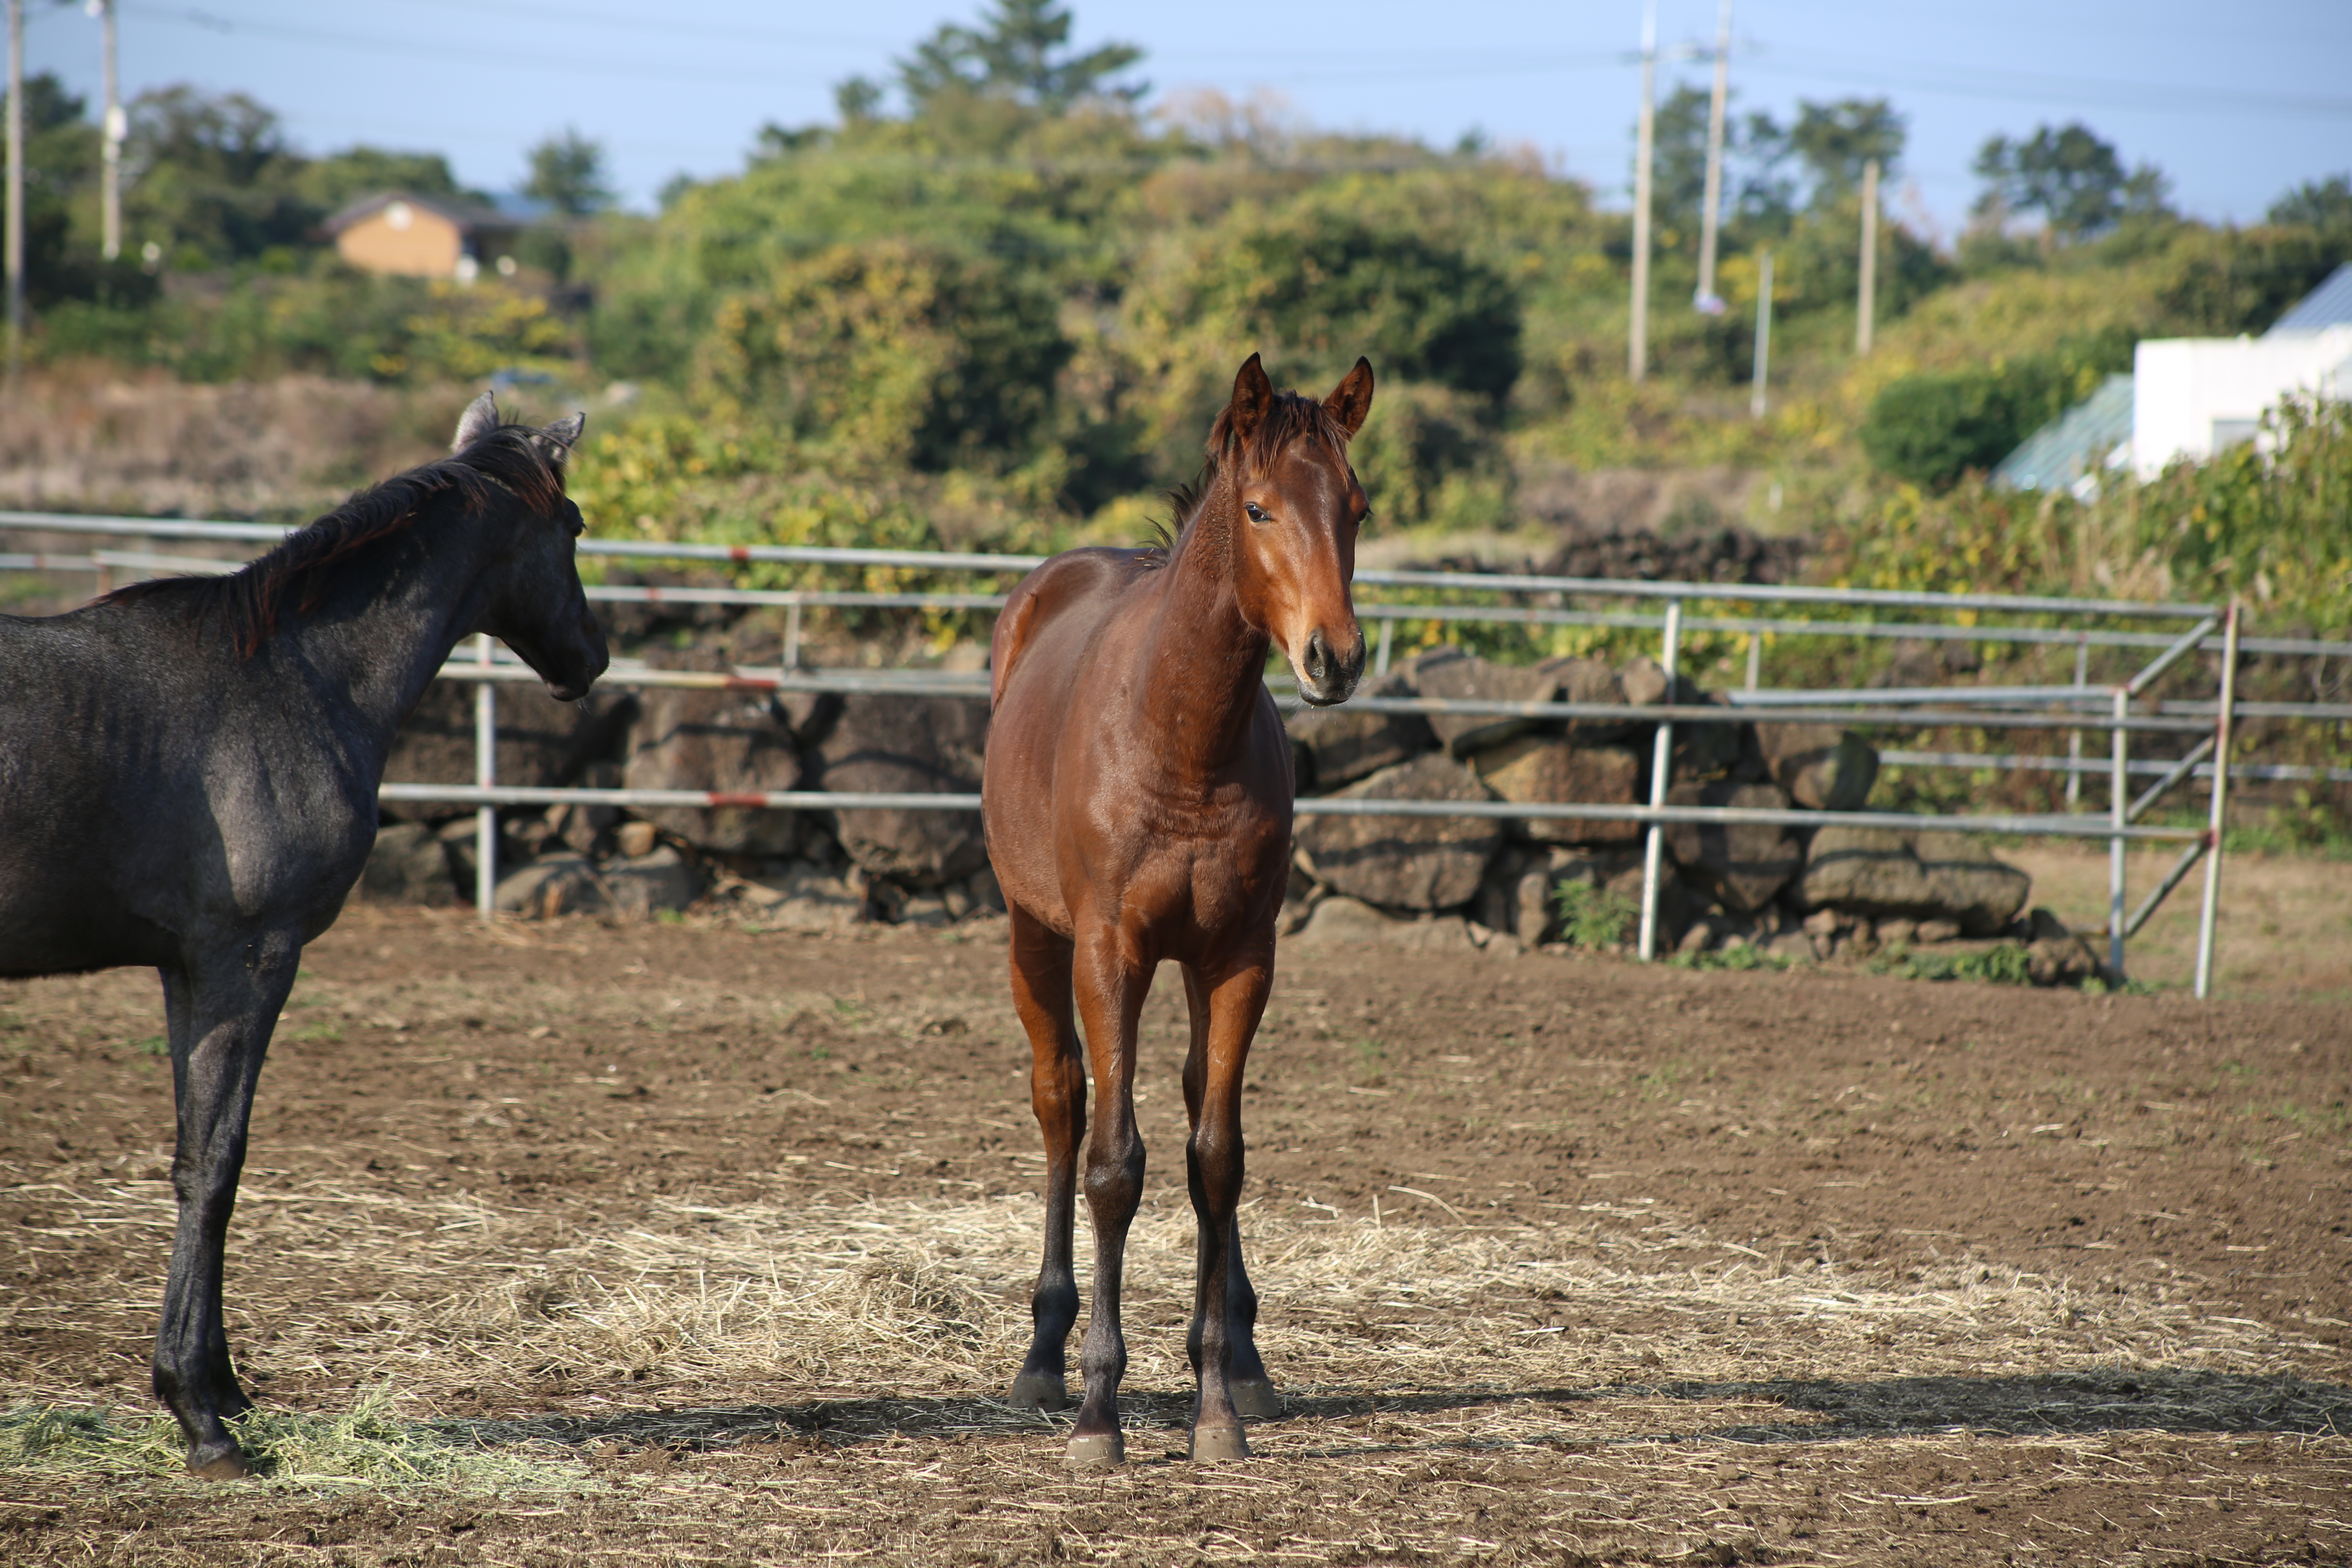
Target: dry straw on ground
(810, 1381)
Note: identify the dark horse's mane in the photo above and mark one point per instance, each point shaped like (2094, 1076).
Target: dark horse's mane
(248, 602)
(1290, 419)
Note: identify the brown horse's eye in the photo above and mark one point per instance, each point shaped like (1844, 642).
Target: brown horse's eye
(1257, 512)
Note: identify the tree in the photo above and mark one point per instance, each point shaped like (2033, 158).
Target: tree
(1019, 53)
(336, 179)
(1753, 150)
(1833, 141)
(210, 179)
(2325, 206)
(567, 173)
(2069, 175)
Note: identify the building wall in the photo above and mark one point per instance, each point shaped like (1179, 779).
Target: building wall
(2191, 397)
(426, 246)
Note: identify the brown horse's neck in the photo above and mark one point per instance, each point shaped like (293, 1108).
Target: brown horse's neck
(1204, 663)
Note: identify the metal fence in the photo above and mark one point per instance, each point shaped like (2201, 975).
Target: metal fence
(2075, 709)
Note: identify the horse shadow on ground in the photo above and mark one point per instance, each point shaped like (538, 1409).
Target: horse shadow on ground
(2072, 1403)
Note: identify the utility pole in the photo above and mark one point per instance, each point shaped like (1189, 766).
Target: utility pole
(12, 244)
(1645, 136)
(1763, 334)
(1706, 300)
(1867, 313)
(109, 189)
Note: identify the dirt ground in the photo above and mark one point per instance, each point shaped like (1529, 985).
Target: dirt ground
(724, 1238)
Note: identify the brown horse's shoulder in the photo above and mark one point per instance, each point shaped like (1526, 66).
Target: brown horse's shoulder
(1072, 581)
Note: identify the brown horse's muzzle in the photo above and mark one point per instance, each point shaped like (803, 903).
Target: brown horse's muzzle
(1328, 672)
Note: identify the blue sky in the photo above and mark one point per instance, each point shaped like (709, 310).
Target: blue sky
(2236, 103)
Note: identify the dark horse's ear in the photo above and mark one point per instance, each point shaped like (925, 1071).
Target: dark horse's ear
(1352, 400)
(1253, 395)
(563, 434)
(482, 417)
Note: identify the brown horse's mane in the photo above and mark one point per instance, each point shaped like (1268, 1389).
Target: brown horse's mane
(1290, 419)
(249, 601)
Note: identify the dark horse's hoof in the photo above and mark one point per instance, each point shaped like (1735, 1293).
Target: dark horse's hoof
(1039, 1391)
(1219, 1444)
(1255, 1399)
(218, 1462)
(1101, 1453)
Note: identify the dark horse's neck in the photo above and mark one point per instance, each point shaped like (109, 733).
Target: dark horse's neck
(1205, 664)
(394, 608)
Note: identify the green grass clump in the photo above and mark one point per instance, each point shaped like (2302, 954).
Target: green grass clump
(2005, 964)
(1747, 956)
(1592, 916)
(365, 1449)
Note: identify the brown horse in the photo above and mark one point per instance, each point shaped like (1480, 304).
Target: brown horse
(1138, 798)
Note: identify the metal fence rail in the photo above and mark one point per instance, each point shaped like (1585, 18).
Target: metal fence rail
(2074, 709)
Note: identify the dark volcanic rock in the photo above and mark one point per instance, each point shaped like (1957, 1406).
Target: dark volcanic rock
(1926, 876)
(1404, 862)
(925, 745)
(731, 741)
(541, 742)
(1337, 746)
(1548, 770)
(1744, 864)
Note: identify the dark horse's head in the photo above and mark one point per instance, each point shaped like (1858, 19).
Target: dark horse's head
(536, 605)
(1286, 458)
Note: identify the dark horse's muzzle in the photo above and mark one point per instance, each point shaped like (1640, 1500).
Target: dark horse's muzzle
(1326, 673)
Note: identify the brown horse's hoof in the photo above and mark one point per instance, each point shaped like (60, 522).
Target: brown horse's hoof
(218, 1462)
(1106, 1452)
(1039, 1391)
(1219, 1444)
(1255, 1399)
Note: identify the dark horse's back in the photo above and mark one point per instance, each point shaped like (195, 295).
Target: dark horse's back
(125, 819)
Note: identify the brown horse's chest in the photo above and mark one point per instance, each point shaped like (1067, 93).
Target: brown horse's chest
(1193, 879)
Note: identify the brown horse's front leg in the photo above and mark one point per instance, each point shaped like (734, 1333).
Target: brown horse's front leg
(1057, 1092)
(1253, 1391)
(1214, 1163)
(220, 1013)
(1110, 987)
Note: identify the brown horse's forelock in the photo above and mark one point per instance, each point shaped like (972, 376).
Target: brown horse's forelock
(249, 601)
(1291, 418)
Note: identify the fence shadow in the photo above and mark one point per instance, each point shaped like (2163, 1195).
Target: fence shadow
(1820, 1410)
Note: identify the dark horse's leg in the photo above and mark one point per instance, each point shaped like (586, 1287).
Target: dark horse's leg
(220, 1009)
(1236, 994)
(1253, 1391)
(1057, 1092)
(1110, 986)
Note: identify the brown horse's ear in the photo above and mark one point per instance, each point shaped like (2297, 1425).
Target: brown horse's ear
(1352, 400)
(1253, 395)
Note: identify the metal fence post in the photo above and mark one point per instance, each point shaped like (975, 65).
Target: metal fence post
(2075, 738)
(1662, 756)
(2208, 915)
(1388, 637)
(1754, 660)
(2119, 805)
(793, 636)
(486, 774)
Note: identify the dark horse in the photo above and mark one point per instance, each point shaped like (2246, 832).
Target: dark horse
(1138, 798)
(188, 773)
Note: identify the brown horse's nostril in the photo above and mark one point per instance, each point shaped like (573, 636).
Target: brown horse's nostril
(1318, 657)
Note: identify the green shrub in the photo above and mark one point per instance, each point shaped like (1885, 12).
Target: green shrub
(1592, 916)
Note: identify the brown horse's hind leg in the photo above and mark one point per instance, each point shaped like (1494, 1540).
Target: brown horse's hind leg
(220, 1017)
(1109, 987)
(1236, 999)
(1057, 1092)
(1253, 1391)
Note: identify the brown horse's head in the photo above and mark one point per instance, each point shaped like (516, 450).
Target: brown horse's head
(1285, 458)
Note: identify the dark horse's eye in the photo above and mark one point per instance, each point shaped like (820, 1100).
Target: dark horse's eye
(1257, 512)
